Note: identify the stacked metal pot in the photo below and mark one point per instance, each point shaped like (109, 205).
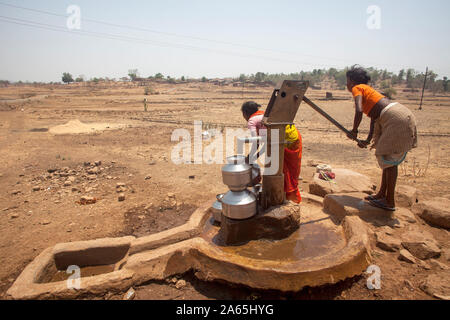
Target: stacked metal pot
(240, 202)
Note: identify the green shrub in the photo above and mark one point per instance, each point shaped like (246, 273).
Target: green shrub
(385, 85)
(390, 92)
(67, 77)
(149, 90)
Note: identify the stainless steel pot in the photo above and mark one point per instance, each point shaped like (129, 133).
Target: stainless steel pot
(237, 174)
(239, 205)
(216, 209)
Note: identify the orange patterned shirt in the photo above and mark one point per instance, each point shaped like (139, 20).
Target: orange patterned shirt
(370, 96)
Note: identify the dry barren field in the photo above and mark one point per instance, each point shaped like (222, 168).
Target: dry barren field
(62, 142)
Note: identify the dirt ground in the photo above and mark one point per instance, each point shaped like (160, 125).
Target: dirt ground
(62, 142)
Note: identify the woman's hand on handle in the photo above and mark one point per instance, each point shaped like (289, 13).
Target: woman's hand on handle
(363, 143)
(353, 134)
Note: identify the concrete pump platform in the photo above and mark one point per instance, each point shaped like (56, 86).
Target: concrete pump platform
(324, 250)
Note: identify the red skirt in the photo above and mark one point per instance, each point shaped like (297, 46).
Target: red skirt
(291, 169)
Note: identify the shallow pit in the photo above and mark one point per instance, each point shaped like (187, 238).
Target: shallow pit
(54, 275)
(146, 220)
(93, 257)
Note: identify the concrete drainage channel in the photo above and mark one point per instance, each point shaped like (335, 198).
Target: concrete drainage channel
(116, 264)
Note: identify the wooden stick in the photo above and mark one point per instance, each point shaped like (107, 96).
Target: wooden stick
(423, 89)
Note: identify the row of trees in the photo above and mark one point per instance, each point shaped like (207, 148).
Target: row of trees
(134, 76)
(380, 78)
(68, 78)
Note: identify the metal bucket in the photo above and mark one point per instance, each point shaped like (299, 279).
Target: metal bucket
(239, 205)
(237, 174)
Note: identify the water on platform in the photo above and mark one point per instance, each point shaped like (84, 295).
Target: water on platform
(317, 235)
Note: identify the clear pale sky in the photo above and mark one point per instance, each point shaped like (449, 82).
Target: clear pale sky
(236, 37)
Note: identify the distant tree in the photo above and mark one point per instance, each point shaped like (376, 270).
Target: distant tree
(183, 78)
(67, 77)
(385, 84)
(437, 86)
(260, 76)
(445, 84)
(418, 79)
(332, 72)
(394, 80)
(374, 74)
(401, 75)
(159, 76)
(341, 78)
(242, 77)
(302, 75)
(389, 92)
(204, 79)
(80, 78)
(431, 78)
(4, 83)
(410, 75)
(133, 74)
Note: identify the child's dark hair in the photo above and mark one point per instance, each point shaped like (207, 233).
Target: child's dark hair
(250, 107)
(358, 75)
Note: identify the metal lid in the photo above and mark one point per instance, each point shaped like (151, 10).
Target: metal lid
(236, 159)
(236, 164)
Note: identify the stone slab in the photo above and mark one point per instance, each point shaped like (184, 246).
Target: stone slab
(346, 181)
(435, 211)
(405, 196)
(437, 285)
(421, 244)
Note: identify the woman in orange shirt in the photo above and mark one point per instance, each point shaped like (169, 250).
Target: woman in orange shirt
(394, 127)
